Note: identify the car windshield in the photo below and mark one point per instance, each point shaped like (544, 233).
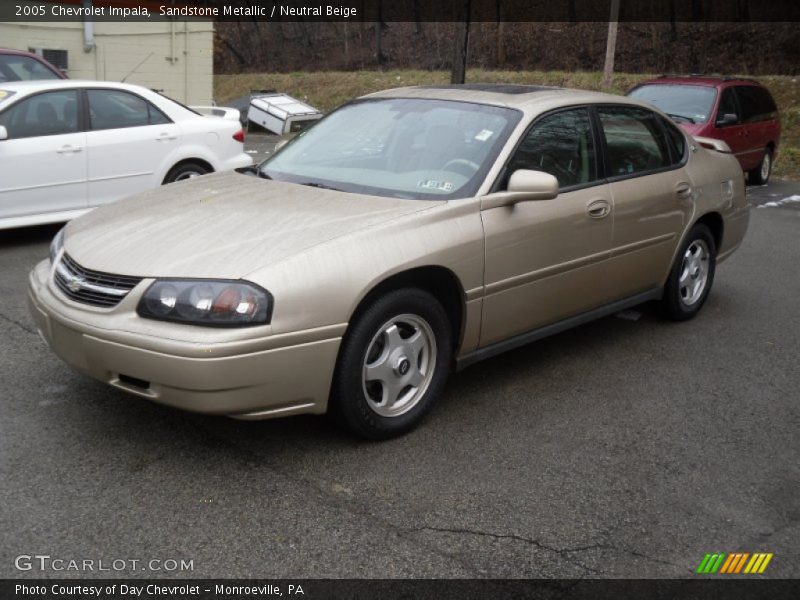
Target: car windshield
(398, 147)
(14, 67)
(690, 102)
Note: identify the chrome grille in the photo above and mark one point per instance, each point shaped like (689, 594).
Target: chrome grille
(91, 287)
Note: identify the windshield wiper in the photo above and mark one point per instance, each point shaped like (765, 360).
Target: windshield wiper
(263, 174)
(684, 117)
(321, 186)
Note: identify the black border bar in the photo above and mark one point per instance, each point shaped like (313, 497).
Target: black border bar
(703, 587)
(405, 10)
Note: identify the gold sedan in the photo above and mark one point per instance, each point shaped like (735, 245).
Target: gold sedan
(409, 233)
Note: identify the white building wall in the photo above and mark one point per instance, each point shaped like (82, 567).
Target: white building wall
(175, 58)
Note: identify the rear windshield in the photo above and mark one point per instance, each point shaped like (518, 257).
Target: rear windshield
(692, 103)
(15, 67)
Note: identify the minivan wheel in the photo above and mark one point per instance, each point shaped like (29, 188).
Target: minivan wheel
(692, 274)
(393, 364)
(760, 175)
(186, 170)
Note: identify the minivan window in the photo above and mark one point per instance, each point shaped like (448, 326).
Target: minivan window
(727, 106)
(756, 103)
(692, 103)
(635, 141)
(50, 113)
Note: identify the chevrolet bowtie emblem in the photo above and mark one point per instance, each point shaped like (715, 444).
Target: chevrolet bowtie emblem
(75, 284)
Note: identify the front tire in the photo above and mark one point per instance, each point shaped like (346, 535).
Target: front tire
(692, 275)
(760, 175)
(186, 170)
(393, 364)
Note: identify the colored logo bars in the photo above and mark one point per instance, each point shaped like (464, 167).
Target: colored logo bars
(734, 563)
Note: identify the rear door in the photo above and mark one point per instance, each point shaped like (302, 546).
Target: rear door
(652, 194)
(43, 161)
(546, 260)
(129, 140)
(759, 115)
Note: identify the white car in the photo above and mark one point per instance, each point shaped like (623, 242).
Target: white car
(69, 146)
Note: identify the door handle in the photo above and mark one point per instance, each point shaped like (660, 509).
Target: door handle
(165, 137)
(69, 149)
(598, 209)
(683, 191)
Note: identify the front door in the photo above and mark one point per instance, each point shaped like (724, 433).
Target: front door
(736, 133)
(546, 260)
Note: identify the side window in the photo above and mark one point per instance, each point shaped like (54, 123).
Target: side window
(727, 106)
(634, 139)
(115, 109)
(676, 139)
(757, 104)
(560, 144)
(50, 113)
(156, 116)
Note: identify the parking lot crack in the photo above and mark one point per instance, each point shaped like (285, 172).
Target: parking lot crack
(17, 323)
(562, 552)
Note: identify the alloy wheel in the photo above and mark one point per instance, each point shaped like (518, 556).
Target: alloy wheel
(694, 272)
(398, 365)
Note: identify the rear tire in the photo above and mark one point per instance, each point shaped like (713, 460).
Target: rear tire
(393, 365)
(691, 276)
(186, 170)
(760, 175)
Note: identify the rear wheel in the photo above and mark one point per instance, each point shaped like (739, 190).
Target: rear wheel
(393, 364)
(692, 274)
(760, 175)
(186, 170)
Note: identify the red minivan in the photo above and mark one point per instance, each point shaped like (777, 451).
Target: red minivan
(741, 112)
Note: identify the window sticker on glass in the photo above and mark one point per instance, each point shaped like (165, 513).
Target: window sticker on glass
(483, 135)
(433, 184)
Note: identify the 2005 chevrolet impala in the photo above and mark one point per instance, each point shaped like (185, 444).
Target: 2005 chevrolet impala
(408, 233)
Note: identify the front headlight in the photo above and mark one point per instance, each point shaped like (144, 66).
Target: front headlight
(207, 302)
(56, 245)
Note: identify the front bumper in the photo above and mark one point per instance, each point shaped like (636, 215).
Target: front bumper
(251, 384)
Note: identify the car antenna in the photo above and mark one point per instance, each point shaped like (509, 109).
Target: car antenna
(136, 67)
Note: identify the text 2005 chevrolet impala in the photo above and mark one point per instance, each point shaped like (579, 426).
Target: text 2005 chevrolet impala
(408, 233)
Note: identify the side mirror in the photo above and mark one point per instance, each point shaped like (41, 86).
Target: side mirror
(524, 185)
(727, 119)
(3, 133)
(281, 144)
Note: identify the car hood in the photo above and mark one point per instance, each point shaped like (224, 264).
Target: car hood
(224, 225)
(693, 128)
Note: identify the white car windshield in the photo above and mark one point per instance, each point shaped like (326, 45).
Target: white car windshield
(398, 147)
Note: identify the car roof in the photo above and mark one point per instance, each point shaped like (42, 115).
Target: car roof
(24, 88)
(705, 80)
(525, 97)
(18, 52)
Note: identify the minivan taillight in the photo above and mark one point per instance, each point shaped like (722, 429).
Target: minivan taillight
(239, 136)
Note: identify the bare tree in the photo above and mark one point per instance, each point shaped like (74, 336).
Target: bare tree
(500, 56)
(458, 74)
(611, 43)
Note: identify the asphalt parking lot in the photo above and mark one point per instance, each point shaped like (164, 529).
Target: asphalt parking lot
(629, 447)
